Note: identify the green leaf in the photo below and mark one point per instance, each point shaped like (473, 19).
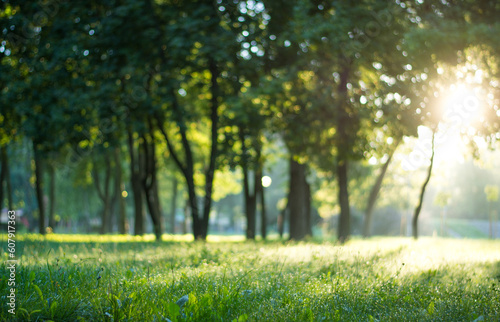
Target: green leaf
(173, 311)
(31, 277)
(53, 308)
(39, 291)
(430, 308)
(243, 318)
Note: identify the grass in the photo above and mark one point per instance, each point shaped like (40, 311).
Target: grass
(121, 278)
(464, 228)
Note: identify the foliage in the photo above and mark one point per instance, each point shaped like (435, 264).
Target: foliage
(491, 193)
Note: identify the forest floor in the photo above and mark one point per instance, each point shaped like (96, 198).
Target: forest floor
(124, 278)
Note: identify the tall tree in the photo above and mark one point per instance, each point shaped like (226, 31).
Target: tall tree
(207, 31)
(340, 77)
(298, 200)
(103, 187)
(374, 192)
(52, 196)
(136, 176)
(119, 189)
(418, 208)
(5, 178)
(150, 181)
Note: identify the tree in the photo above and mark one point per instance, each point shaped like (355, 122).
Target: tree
(150, 181)
(374, 192)
(207, 31)
(44, 85)
(104, 190)
(491, 192)
(5, 178)
(339, 65)
(418, 208)
(52, 196)
(119, 189)
(298, 201)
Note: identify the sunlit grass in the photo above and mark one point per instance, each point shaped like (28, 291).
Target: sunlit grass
(132, 279)
(86, 238)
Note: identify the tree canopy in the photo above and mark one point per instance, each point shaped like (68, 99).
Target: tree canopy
(127, 93)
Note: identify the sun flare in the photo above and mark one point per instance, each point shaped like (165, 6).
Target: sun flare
(462, 106)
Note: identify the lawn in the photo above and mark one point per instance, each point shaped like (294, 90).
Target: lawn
(120, 278)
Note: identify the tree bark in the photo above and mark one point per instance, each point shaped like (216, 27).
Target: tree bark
(259, 188)
(367, 225)
(343, 197)
(155, 210)
(52, 196)
(104, 193)
(214, 118)
(119, 188)
(281, 222)
(343, 150)
(297, 200)
(173, 205)
(250, 205)
(422, 192)
(39, 188)
(263, 212)
(186, 217)
(250, 197)
(308, 210)
(150, 183)
(10, 201)
(3, 174)
(136, 169)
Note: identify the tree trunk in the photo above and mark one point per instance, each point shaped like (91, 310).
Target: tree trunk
(250, 197)
(263, 212)
(214, 118)
(308, 210)
(104, 193)
(10, 202)
(105, 215)
(343, 150)
(150, 183)
(136, 169)
(186, 166)
(119, 188)
(154, 211)
(250, 205)
(281, 222)
(422, 192)
(3, 173)
(282, 217)
(186, 217)
(173, 205)
(367, 225)
(157, 204)
(259, 188)
(297, 200)
(200, 225)
(39, 189)
(52, 196)
(343, 197)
